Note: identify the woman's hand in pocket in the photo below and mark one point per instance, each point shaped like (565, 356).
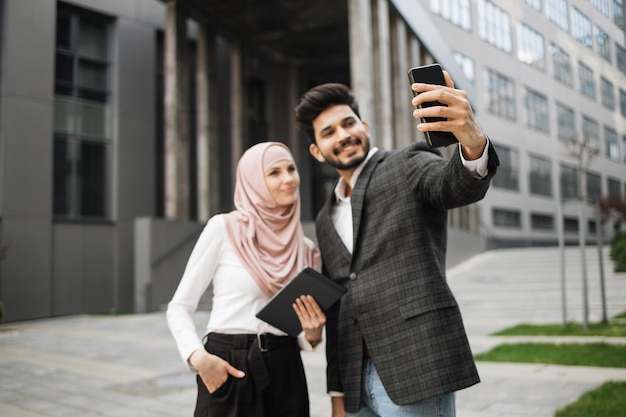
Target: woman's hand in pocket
(212, 369)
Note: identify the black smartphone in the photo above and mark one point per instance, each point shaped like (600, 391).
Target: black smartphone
(432, 74)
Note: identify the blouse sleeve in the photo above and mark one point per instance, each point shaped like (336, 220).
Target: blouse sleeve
(197, 277)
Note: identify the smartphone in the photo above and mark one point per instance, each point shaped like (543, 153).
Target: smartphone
(432, 74)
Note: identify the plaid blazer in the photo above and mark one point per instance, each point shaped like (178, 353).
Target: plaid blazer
(398, 302)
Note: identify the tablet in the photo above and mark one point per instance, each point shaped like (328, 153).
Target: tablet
(279, 310)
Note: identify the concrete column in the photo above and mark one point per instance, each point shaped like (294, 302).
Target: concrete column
(415, 51)
(237, 106)
(176, 117)
(295, 141)
(207, 146)
(361, 63)
(383, 94)
(415, 56)
(403, 110)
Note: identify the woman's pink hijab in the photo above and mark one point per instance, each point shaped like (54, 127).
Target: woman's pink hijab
(267, 238)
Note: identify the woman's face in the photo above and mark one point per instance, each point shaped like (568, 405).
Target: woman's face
(282, 180)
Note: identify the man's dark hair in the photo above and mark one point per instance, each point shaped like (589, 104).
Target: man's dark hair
(320, 98)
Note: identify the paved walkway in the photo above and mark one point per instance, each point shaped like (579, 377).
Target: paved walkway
(127, 366)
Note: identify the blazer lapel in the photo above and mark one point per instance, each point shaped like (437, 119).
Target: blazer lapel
(326, 229)
(358, 193)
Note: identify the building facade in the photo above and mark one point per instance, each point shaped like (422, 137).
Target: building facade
(551, 77)
(121, 123)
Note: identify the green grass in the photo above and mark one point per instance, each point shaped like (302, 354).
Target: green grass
(611, 329)
(609, 400)
(616, 327)
(586, 354)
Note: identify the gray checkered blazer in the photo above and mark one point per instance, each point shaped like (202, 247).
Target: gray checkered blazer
(398, 302)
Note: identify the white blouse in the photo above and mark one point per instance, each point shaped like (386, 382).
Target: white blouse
(236, 296)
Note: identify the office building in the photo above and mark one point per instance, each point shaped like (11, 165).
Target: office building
(121, 122)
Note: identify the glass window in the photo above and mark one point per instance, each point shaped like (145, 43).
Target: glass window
(607, 93)
(603, 43)
(562, 63)
(569, 182)
(84, 191)
(82, 119)
(537, 114)
(530, 48)
(566, 122)
(622, 102)
(581, 28)
(540, 176)
(541, 221)
(508, 171)
(594, 185)
(570, 224)
(507, 218)
(500, 92)
(535, 4)
(614, 187)
(494, 25)
(620, 57)
(455, 11)
(624, 147)
(586, 80)
(92, 179)
(591, 133)
(602, 6)
(466, 63)
(556, 11)
(618, 13)
(611, 144)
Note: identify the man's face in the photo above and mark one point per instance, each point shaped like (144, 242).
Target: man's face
(341, 138)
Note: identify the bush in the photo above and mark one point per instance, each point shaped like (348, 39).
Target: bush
(618, 252)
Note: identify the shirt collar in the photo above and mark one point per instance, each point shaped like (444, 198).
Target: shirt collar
(340, 188)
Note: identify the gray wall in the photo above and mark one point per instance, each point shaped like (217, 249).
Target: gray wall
(57, 268)
(26, 150)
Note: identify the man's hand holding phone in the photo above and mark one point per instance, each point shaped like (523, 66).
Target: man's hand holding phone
(446, 114)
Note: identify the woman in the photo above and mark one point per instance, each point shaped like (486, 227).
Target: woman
(248, 368)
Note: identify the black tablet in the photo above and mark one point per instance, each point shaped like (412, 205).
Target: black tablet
(279, 310)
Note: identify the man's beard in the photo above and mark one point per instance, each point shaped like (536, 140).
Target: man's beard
(337, 164)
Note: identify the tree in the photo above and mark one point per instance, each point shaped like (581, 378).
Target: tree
(613, 205)
(584, 150)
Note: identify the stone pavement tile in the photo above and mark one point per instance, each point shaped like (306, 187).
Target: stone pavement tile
(10, 410)
(500, 288)
(128, 365)
(537, 390)
(315, 367)
(88, 367)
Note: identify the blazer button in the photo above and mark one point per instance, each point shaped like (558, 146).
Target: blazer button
(352, 276)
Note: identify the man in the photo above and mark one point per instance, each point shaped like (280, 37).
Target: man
(396, 342)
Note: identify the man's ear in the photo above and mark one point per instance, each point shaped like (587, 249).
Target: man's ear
(315, 152)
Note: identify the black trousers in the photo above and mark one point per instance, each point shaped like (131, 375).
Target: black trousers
(274, 385)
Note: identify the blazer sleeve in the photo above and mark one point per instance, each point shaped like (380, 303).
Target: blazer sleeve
(494, 161)
(333, 376)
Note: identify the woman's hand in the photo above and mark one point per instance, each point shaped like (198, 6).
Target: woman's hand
(312, 318)
(212, 369)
